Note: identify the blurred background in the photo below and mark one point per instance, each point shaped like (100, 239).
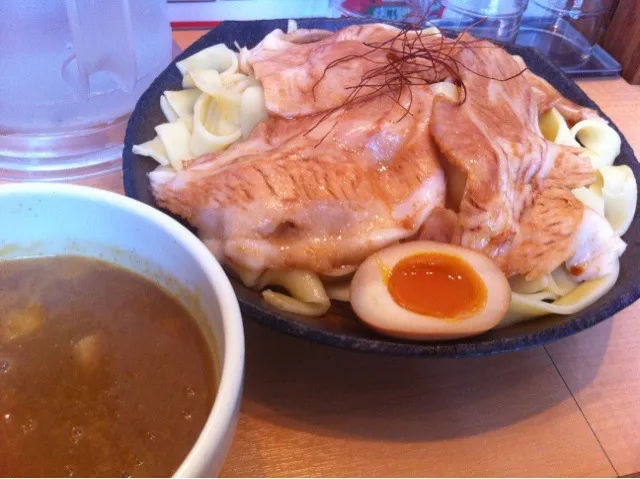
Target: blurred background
(571, 33)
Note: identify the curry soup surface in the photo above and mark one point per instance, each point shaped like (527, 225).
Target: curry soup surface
(102, 372)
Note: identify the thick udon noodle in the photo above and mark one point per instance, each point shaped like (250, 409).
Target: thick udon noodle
(614, 196)
(221, 104)
(218, 106)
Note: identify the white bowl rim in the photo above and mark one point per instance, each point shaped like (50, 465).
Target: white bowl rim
(231, 377)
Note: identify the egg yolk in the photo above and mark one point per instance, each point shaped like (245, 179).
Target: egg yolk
(437, 284)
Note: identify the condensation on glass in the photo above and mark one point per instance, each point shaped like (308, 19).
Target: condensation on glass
(70, 74)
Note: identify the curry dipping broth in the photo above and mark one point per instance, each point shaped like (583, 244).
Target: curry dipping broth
(102, 372)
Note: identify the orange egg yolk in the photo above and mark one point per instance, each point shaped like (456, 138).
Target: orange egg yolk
(437, 284)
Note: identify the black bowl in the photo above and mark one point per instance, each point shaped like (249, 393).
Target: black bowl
(340, 327)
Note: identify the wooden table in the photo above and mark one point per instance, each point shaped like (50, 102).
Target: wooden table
(571, 408)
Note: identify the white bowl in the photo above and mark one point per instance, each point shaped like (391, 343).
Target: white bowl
(45, 219)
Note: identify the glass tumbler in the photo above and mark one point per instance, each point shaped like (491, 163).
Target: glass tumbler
(497, 20)
(565, 31)
(71, 72)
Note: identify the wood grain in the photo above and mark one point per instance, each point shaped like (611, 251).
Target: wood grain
(602, 369)
(621, 102)
(184, 38)
(622, 39)
(311, 410)
(601, 366)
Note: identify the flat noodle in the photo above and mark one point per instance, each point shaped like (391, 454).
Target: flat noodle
(600, 142)
(175, 139)
(561, 282)
(228, 107)
(217, 57)
(248, 277)
(238, 82)
(293, 305)
(217, 106)
(446, 89)
(620, 196)
(167, 110)
(591, 197)
(339, 292)
(525, 307)
(554, 128)
(212, 129)
(207, 81)
(600, 138)
(187, 121)
(153, 148)
(519, 284)
(182, 101)
(613, 196)
(223, 115)
(187, 81)
(303, 285)
(308, 295)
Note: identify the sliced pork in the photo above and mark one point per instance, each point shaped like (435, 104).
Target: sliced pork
(293, 68)
(517, 205)
(325, 182)
(547, 97)
(318, 199)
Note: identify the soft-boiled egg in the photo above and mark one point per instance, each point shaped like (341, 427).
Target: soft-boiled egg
(424, 290)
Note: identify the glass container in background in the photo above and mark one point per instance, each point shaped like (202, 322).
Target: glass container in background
(497, 20)
(71, 72)
(413, 11)
(565, 31)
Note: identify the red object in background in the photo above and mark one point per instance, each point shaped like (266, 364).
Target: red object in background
(361, 6)
(201, 25)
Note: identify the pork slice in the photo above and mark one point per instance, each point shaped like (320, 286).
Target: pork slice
(495, 141)
(297, 77)
(546, 97)
(320, 199)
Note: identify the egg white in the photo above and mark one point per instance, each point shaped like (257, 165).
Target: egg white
(374, 305)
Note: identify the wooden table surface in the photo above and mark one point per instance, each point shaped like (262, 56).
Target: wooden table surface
(571, 408)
